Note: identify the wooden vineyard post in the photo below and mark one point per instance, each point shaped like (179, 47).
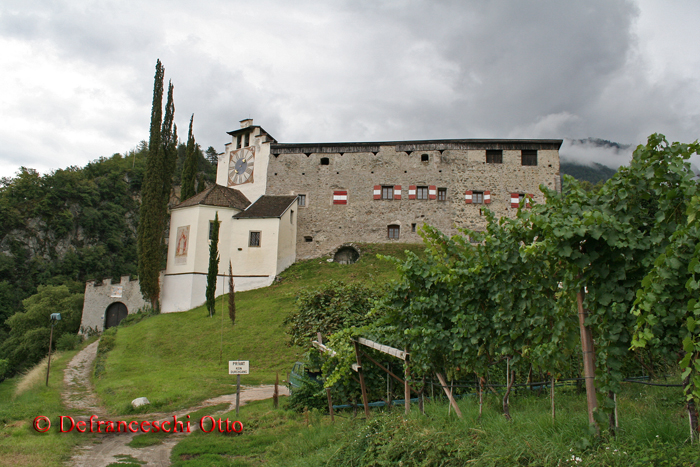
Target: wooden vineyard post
(330, 404)
(588, 359)
(421, 401)
(506, 397)
(481, 395)
(363, 388)
(449, 394)
(406, 387)
(552, 396)
(388, 391)
(276, 394)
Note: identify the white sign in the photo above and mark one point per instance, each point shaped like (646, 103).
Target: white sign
(239, 367)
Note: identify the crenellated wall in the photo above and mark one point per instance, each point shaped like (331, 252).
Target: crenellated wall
(100, 295)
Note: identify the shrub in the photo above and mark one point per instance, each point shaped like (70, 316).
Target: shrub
(133, 318)
(68, 342)
(329, 309)
(310, 395)
(4, 367)
(107, 343)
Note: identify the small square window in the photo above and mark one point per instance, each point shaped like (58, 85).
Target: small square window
(529, 156)
(424, 158)
(325, 161)
(254, 239)
(477, 197)
(308, 239)
(494, 156)
(422, 192)
(442, 194)
(393, 232)
(301, 200)
(387, 192)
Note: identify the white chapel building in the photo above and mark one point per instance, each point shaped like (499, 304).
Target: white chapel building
(257, 232)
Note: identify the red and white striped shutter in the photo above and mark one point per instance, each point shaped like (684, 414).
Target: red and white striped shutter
(340, 197)
(468, 197)
(514, 200)
(432, 192)
(411, 192)
(397, 192)
(528, 198)
(377, 192)
(487, 197)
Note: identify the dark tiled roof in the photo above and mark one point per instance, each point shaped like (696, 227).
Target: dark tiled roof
(411, 146)
(268, 137)
(267, 206)
(218, 195)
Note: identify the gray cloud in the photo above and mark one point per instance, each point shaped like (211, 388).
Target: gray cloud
(337, 71)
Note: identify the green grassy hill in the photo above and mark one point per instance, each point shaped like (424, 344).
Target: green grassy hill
(176, 359)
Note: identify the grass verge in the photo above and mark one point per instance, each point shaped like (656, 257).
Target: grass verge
(21, 400)
(179, 359)
(653, 433)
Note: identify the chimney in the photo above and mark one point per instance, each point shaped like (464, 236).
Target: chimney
(246, 123)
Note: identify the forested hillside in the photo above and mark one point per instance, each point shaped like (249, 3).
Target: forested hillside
(68, 226)
(593, 174)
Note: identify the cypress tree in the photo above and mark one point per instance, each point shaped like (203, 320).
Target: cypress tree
(189, 169)
(150, 228)
(156, 188)
(213, 266)
(169, 137)
(231, 295)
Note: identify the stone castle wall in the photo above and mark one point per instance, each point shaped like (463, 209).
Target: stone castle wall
(357, 168)
(99, 296)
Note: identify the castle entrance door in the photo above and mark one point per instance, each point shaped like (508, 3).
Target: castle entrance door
(114, 314)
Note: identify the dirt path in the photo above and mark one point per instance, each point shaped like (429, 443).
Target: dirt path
(79, 395)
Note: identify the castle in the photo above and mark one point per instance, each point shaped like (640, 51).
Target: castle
(279, 202)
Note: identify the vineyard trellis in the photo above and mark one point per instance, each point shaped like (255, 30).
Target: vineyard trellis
(514, 293)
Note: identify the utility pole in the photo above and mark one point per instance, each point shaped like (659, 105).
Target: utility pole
(54, 317)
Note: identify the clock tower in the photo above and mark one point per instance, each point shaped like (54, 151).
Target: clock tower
(243, 165)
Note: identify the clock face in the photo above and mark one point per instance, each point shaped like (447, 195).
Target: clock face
(240, 167)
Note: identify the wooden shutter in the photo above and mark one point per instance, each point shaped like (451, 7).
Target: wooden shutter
(397, 192)
(340, 197)
(487, 197)
(432, 192)
(377, 192)
(411, 192)
(514, 200)
(468, 197)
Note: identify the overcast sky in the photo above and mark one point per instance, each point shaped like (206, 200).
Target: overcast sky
(76, 76)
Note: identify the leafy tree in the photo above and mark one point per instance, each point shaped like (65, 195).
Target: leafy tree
(666, 305)
(213, 266)
(609, 240)
(328, 309)
(189, 170)
(28, 341)
(212, 156)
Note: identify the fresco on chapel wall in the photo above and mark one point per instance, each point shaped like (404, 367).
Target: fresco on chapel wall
(183, 240)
